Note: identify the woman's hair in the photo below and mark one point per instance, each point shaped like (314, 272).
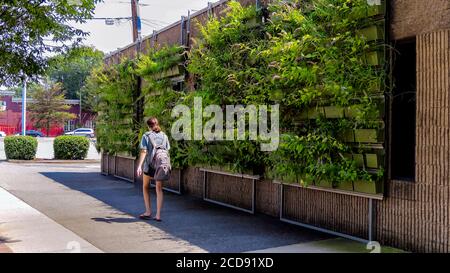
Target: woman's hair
(153, 124)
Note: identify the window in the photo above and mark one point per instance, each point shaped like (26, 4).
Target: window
(69, 126)
(89, 124)
(403, 115)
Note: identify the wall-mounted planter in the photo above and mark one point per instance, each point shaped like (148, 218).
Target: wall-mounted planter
(359, 160)
(372, 161)
(334, 112)
(374, 58)
(372, 33)
(351, 111)
(227, 168)
(347, 136)
(323, 184)
(254, 22)
(312, 113)
(367, 187)
(376, 10)
(171, 72)
(373, 10)
(366, 136)
(345, 186)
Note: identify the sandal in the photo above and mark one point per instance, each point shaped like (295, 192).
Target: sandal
(145, 217)
(157, 220)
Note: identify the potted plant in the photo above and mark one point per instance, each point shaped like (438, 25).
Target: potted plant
(366, 187)
(372, 33)
(334, 112)
(366, 135)
(374, 58)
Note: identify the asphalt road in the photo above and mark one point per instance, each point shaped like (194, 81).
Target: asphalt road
(103, 210)
(45, 149)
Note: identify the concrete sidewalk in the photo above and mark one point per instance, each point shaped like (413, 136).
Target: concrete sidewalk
(24, 229)
(101, 212)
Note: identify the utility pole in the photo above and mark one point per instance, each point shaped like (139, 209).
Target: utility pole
(139, 106)
(136, 18)
(24, 105)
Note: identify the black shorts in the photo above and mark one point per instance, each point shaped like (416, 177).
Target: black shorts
(150, 172)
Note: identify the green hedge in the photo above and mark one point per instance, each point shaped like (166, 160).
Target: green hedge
(20, 147)
(71, 147)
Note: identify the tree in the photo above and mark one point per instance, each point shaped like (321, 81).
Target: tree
(73, 67)
(31, 87)
(48, 107)
(31, 29)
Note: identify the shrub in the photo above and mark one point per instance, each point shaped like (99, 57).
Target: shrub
(71, 147)
(20, 147)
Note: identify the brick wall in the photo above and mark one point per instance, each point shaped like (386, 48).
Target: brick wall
(414, 17)
(415, 216)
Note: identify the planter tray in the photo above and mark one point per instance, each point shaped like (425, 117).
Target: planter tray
(332, 190)
(372, 33)
(126, 156)
(240, 175)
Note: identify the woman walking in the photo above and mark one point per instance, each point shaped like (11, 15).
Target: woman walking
(154, 163)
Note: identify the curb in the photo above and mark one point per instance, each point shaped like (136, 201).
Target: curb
(55, 161)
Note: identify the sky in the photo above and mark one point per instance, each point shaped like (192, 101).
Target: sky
(155, 14)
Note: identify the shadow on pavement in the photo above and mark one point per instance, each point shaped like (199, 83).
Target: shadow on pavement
(211, 227)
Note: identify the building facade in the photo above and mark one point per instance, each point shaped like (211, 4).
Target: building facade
(11, 116)
(414, 211)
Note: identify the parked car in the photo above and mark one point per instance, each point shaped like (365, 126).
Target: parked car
(87, 132)
(2, 134)
(32, 133)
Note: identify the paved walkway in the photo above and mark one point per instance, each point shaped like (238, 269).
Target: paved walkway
(34, 231)
(100, 212)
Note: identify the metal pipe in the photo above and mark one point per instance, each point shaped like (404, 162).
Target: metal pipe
(24, 106)
(370, 220)
(335, 233)
(252, 210)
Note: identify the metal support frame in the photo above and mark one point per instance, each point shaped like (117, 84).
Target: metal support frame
(105, 172)
(121, 177)
(251, 177)
(210, 10)
(153, 39)
(182, 28)
(168, 189)
(258, 4)
(331, 232)
(188, 29)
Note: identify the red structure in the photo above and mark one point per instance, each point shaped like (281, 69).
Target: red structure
(11, 116)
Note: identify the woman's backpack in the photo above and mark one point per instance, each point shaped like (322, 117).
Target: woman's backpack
(160, 159)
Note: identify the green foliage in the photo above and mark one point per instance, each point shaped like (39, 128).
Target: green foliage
(71, 70)
(307, 54)
(313, 157)
(304, 55)
(48, 107)
(159, 60)
(71, 147)
(26, 27)
(159, 95)
(115, 88)
(20, 147)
